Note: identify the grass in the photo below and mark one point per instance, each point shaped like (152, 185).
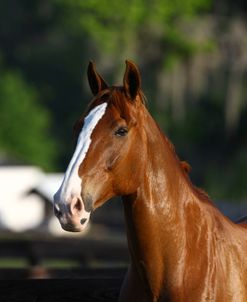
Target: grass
(13, 263)
(18, 263)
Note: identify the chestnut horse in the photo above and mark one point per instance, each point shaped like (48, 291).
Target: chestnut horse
(181, 247)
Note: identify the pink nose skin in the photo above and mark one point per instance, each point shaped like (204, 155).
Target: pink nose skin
(72, 215)
(76, 206)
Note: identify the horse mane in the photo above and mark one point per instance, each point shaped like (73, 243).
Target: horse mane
(186, 168)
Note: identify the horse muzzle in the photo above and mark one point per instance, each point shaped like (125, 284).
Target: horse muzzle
(71, 214)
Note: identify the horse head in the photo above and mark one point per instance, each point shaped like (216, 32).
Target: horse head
(107, 160)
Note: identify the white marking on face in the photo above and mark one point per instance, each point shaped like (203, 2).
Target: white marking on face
(71, 185)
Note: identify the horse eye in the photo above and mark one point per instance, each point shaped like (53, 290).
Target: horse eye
(122, 131)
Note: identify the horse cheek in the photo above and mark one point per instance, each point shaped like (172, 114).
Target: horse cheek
(128, 176)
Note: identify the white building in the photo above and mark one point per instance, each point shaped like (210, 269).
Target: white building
(26, 195)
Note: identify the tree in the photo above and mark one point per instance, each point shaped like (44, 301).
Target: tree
(24, 130)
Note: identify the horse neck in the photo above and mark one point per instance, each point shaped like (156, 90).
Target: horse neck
(155, 212)
(164, 184)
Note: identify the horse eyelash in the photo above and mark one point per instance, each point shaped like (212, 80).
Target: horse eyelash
(121, 131)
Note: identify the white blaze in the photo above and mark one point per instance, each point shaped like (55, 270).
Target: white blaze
(71, 185)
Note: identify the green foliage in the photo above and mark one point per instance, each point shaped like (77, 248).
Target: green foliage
(115, 24)
(24, 123)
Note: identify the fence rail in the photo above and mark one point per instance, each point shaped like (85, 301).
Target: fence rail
(85, 250)
(88, 281)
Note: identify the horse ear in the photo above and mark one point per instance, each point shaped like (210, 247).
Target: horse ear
(132, 80)
(96, 82)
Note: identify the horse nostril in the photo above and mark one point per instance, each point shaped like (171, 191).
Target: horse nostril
(57, 212)
(83, 220)
(76, 206)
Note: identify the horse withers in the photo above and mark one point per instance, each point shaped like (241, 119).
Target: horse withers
(182, 248)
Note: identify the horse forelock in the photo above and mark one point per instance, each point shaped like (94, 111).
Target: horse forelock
(114, 96)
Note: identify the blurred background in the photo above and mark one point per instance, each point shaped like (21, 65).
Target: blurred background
(192, 55)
